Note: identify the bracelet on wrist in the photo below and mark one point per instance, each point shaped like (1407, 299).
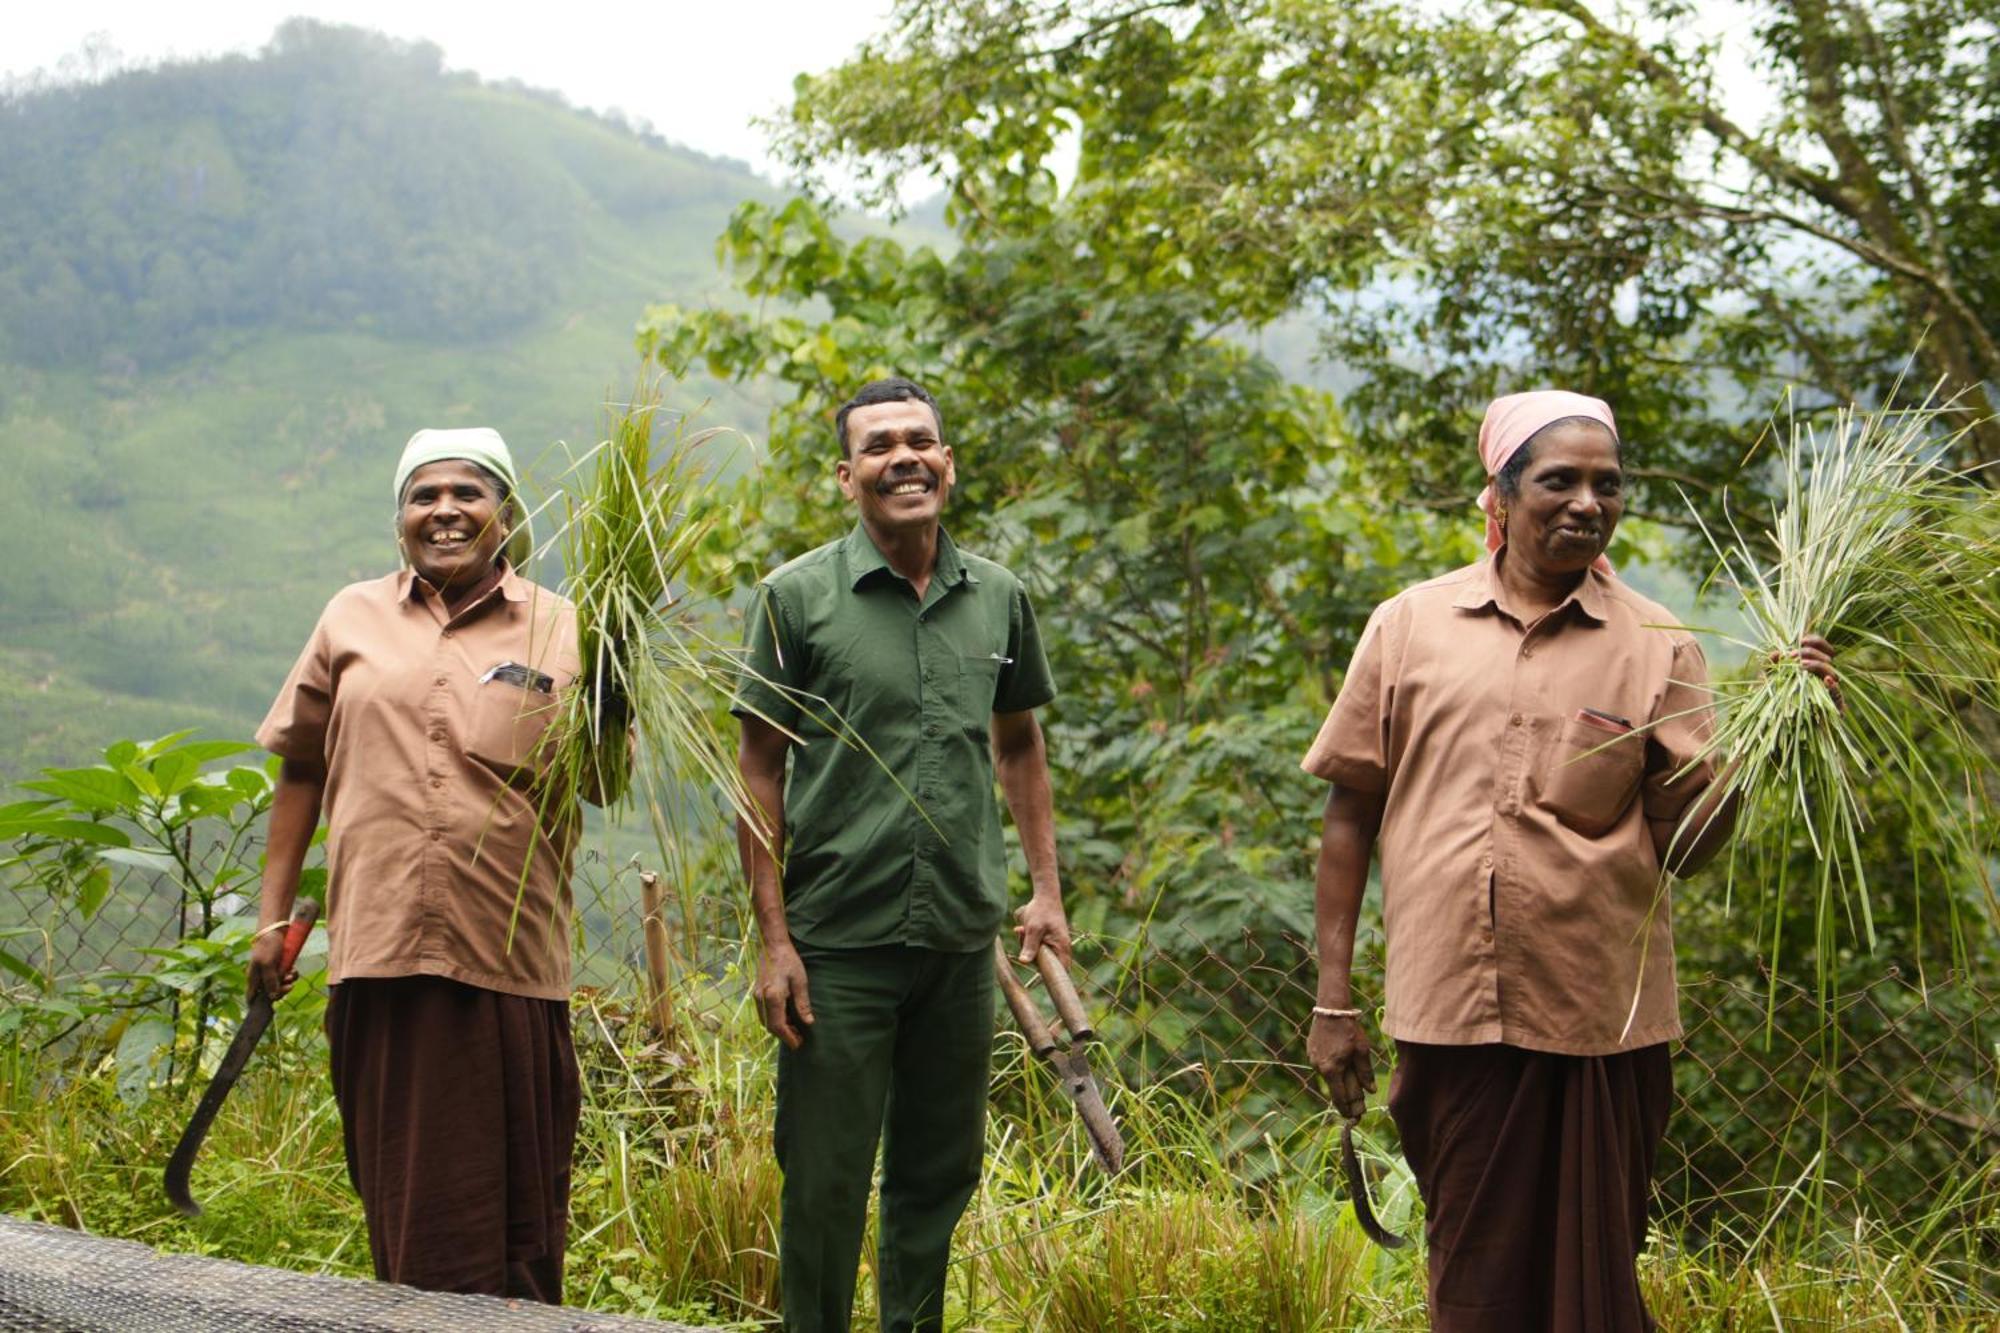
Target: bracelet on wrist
(271, 929)
(1324, 1011)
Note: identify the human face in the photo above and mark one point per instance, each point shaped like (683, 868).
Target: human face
(450, 523)
(1572, 495)
(897, 471)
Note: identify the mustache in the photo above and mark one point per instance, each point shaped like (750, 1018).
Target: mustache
(917, 473)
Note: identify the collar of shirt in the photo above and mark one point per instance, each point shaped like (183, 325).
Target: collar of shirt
(864, 559)
(410, 588)
(1484, 590)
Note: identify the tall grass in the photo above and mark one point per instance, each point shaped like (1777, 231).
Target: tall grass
(1880, 547)
(675, 1200)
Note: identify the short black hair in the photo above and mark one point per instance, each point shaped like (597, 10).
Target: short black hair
(1507, 481)
(895, 389)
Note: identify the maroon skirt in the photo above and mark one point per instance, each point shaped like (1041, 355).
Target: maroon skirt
(459, 1108)
(1536, 1171)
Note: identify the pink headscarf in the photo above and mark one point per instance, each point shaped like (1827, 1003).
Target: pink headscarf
(1511, 420)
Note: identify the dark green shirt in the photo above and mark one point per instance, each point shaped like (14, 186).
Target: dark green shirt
(892, 824)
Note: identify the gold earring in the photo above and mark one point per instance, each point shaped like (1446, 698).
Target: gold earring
(1500, 516)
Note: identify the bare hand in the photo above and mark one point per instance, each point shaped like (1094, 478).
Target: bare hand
(1339, 1050)
(1815, 654)
(782, 1002)
(1042, 921)
(267, 953)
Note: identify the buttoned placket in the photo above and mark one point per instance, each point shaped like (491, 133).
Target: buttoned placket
(437, 737)
(937, 693)
(1518, 746)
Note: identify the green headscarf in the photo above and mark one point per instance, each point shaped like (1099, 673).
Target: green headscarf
(473, 444)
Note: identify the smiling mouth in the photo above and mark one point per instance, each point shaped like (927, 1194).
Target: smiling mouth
(449, 540)
(907, 486)
(1576, 534)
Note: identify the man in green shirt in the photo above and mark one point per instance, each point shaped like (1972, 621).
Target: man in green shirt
(898, 673)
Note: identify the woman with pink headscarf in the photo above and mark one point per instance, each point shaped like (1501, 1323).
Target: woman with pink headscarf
(1522, 738)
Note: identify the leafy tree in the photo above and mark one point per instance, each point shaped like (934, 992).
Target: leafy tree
(1470, 202)
(1488, 197)
(1199, 543)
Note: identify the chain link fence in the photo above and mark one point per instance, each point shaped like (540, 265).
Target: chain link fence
(1884, 1102)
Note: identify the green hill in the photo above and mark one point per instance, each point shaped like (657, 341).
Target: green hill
(230, 289)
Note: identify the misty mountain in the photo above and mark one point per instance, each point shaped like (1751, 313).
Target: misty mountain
(229, 291)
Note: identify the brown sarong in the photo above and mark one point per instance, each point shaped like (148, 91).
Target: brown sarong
(459, 1108)
(1535, 1170)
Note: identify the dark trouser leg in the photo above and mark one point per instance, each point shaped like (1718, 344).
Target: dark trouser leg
(458, 1108)
(1615, 1111)
(1535, 1171)
(936, 1133)
(829, 1118)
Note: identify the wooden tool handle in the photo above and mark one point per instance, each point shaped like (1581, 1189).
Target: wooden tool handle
(1069, 1006)
(1040, 1040)
(303, 915)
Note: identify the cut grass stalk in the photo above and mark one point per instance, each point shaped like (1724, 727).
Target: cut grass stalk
(1883, 549)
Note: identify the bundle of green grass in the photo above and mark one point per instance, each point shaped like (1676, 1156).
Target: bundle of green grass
(643, 726)
(1883, 547)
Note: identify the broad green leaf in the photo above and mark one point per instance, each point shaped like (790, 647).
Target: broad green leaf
(142, 858)
(71, 830)
(92, 788)
(153, 749)
(173, 771)
(137, 1051)
(91, 892)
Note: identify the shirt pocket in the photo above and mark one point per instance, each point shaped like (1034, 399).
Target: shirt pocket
(508, 725)
(978, 686)
(1592, 775)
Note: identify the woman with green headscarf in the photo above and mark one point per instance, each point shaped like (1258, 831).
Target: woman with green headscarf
(412, 719)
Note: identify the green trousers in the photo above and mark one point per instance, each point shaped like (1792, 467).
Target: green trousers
(899, 1052)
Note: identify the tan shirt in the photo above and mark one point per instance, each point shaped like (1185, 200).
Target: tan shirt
(1521, 897)
(430, 815)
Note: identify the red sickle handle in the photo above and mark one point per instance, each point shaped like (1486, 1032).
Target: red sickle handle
(296, 931)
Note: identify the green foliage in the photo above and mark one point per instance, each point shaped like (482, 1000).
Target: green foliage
(183, 496)
(1480, 196)
(115, 845)
(338, 181)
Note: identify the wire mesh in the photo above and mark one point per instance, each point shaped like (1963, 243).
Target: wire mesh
(1884, 1101)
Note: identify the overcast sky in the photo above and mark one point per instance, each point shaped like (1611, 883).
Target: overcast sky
(698, 70)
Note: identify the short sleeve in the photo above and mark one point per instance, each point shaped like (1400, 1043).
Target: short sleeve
(1025, 682)
(772, 661)
(1352, 748)
(296, 726)
(1678, 735)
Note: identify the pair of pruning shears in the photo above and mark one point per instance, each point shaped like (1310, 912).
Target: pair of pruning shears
(1071, 1063)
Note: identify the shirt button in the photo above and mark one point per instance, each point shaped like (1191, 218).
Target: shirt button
(437, 782)
(447, 634)
(437, 735)
(1514, 721)
(441, 680)
(437, 835)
